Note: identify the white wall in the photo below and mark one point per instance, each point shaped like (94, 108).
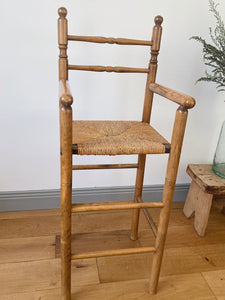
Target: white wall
(29, 90)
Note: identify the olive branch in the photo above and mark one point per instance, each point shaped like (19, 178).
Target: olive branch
(214, 54)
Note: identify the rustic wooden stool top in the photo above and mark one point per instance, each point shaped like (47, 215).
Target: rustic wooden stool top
(207, 180)
(205, 184)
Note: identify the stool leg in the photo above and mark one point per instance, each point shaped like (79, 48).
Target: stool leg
(199, 203)
(171, 174)
(189, 206)
(202, 210)
(137, 193)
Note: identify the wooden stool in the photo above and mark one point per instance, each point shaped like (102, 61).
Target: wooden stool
(205, 184)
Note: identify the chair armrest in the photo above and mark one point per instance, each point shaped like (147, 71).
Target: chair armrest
(65, 96)
(182, 99)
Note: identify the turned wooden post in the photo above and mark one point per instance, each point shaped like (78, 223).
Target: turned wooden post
(63, 42)
(156, 39)
(66, 160)
(153, 64)
(170, 181)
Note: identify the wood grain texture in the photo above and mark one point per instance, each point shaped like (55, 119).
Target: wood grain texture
(62, 41)
(65, 96)
(176, 234)
(207, 180)
(199, 203)
(205, 185)
(216, 283)
(27, 249)
(44, 274)
(153, 65)
(116, 69)
(179, 98)
(15, 215)
(65, 109)
(181, 260)
(156, 40)
(183, 287)
(116, 252)
(104, 166)
(34, 224)
(137, 193)
(117, 138)
(192, 266)
(110, 40)
(101, 206)
(189, 206)
(180, 287)
(96, 241)
(167, 198)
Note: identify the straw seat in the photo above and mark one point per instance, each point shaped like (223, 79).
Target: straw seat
(116, 137)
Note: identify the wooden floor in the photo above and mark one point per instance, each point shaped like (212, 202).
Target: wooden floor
(193, 267)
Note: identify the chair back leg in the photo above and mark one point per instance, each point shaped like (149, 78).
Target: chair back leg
(138, 193)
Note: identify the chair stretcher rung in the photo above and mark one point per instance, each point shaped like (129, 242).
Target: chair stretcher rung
(116, 69)
(148, 218)
(112, 252)
(105, 166)
(110, 40)
(150, 221)
(102, 206)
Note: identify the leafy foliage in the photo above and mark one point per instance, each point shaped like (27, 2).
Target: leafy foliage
(214, 55)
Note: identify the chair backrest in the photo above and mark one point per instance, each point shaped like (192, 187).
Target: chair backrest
(63, 39)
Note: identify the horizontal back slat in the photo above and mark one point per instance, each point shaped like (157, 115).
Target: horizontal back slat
(108, 69)
(110, 40)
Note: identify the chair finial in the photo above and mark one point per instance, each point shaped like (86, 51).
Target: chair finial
(158, 20)
(62, 11)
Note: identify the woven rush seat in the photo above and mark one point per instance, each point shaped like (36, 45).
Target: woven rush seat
(116, 137)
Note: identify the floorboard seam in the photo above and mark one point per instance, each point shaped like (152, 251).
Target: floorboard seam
(208, 284)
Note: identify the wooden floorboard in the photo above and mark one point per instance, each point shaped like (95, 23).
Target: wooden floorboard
(193, 267)
(184, 260)
(216, 282)
(27, 249)
(43, 274)
(182, 287)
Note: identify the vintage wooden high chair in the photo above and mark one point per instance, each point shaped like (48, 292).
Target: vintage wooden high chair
(116, 138)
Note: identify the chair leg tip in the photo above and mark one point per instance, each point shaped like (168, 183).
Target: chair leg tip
(152, 292)
(152, 289)
(133, 238)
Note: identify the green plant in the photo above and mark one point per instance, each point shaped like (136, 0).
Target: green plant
(214, 55)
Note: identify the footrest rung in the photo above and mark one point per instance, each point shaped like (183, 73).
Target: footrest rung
(102, 206)
(105, 166)
(112, 252)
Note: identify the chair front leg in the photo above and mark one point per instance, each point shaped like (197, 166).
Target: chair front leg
(171, 174)
(66, 199)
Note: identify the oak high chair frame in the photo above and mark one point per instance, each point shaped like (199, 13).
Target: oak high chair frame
(148, 142)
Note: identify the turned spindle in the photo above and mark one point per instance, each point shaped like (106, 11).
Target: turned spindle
(63, 42)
